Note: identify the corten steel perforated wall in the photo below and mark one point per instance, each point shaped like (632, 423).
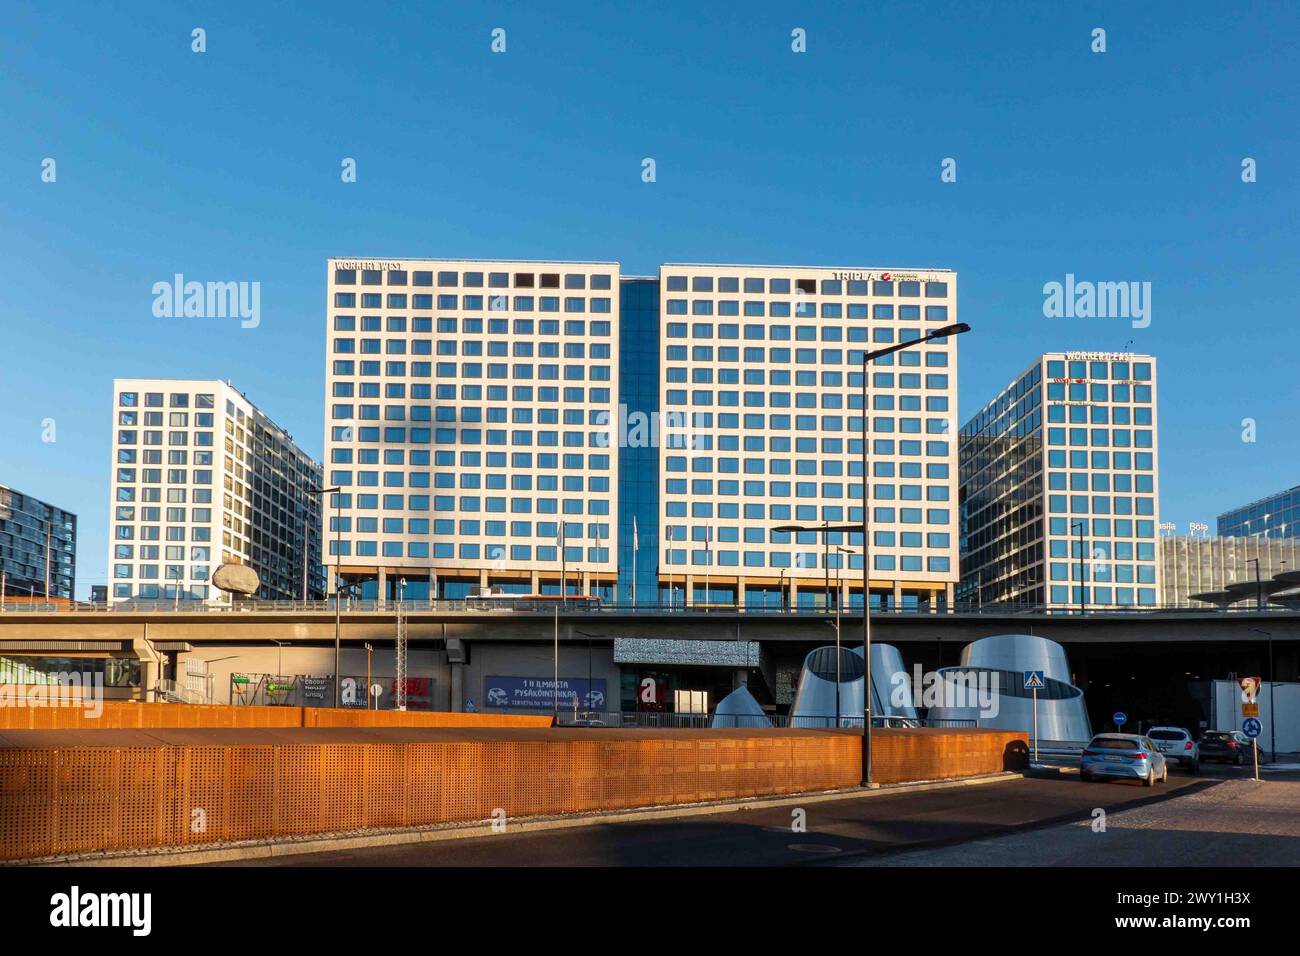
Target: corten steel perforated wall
(60, 798)
(130, 715)
(932, 753)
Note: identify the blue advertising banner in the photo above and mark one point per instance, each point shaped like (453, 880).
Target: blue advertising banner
(535, 693)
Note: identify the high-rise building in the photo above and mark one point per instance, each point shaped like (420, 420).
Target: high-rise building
(469, 411)
(479, 412)
(761, 406)
(1060, 501)
(38, 548)
(1277, 516)
(201, 476)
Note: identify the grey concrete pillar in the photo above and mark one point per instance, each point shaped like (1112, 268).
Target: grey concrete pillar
(382, 593)
(458, 686)
(898, 596)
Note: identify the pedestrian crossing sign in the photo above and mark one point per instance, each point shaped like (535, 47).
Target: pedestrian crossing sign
(1034, 680)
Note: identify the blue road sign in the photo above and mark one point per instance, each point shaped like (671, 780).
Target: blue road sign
(1120, 718)
(1034, 680)
(1251, 727)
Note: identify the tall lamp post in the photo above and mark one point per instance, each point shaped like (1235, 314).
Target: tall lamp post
(865, 527)
(1081, 526)
(338, 578)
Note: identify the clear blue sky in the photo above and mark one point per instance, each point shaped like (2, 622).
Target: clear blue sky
(225, 166)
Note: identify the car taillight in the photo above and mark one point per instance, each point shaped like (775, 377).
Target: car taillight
(1188, 745)
(1140, 755)
(1091, 753)
(1232, 745)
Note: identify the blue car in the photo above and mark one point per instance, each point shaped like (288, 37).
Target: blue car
(1125, 757)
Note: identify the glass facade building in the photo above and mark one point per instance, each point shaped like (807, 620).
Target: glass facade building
(638, 452)
(38, 547)
(1059, 490)
(1277, 516)
(200, 477)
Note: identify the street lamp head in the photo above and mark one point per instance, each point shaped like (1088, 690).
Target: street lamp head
(957, 328)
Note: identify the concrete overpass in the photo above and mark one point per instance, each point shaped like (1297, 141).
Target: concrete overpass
(457, 647)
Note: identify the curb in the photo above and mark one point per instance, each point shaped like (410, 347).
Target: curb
(267, 849)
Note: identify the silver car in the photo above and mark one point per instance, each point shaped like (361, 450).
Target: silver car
(1177, 745)
(1124, 756)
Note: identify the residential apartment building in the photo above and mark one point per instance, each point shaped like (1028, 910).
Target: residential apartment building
(469, 411)
(38, 548)
(1060, 486)
(1277, 516)
(201, 476)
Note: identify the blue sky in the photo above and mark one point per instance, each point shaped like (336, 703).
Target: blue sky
(225, 166)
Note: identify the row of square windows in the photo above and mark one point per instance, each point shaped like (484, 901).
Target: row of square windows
(801, 333)
(830, 490)
(495, 370)
(174, 533)
(472, 280)
(936, 381)
(1100, 505)
(1097, 571)
(806, 560)
(1103, 437)
(573, 328)
(573, 305)
(803, 310)
(908, 288)
(152, 592)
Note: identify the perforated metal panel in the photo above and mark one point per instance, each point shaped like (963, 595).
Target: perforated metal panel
(93, 798)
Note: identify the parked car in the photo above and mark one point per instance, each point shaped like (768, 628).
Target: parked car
(1124, 756)
(1226, 746)
(1176, 744)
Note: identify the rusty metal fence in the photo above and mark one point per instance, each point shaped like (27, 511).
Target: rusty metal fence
(60, 799)
(118, 715)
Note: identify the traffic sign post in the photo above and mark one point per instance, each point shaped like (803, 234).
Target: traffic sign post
(1252, 728)
(1034, 682)
(1120, 719)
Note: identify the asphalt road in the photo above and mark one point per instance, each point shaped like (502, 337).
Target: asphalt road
(1237, 823)
(870, 828)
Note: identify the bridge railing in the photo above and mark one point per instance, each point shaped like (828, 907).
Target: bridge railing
(592, 606)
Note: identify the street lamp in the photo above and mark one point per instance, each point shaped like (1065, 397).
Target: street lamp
(1081, 526)
(338, 577)
(943, 332)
